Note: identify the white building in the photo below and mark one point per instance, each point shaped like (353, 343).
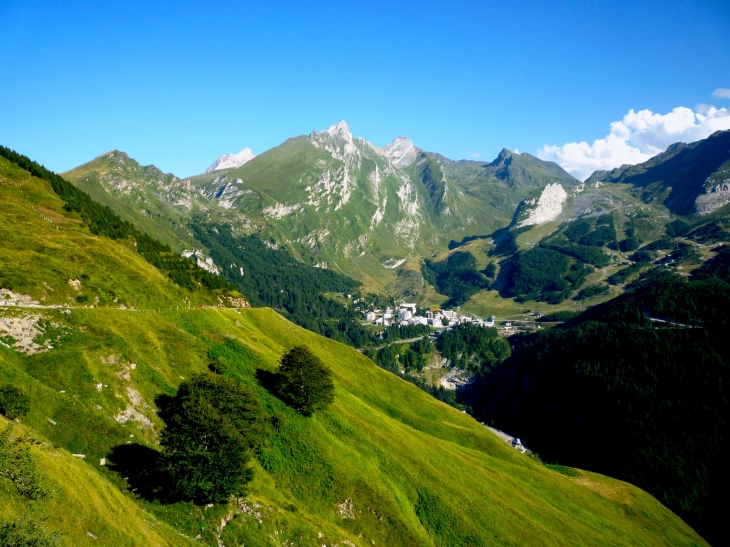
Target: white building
(370, 316)
(490, 322)
(404, 315)
(448, 314)
(435, 321)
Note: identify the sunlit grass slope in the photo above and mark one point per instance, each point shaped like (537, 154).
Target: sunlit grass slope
(42, 247)
(86, 508)
(408, 469)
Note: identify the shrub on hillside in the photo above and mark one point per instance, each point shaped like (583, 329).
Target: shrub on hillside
(304, 382)
(211, 426)
(20, 466)
(677, 228)
(592, 292)
(25, 532)
(13, 402)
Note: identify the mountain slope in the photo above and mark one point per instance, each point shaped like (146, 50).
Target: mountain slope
(39, 236)
(386, 463)
(144, 195)
(636, 388)
(687, 178)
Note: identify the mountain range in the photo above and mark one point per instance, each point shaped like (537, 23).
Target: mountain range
(376, 214)
(334, 200)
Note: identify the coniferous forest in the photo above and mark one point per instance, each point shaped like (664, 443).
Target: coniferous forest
(636, 388)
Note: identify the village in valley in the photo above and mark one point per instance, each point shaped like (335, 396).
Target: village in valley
(405, 313)
(391, 313)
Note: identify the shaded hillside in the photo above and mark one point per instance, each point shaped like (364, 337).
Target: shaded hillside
(628, 390)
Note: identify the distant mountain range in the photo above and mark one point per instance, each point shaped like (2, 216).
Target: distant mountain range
(335, 200)
(374, 213)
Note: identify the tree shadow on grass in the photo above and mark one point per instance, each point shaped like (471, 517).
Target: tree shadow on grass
(268, 380)
(137, 464)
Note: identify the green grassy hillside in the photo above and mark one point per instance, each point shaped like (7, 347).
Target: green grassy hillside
(386, 464)
(417, 472)
(156, 202)
(626, 389)
(48, 254)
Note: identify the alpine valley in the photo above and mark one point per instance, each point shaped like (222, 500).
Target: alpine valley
(147, 322)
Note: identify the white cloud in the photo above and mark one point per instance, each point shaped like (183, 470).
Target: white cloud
(722, 93)
(474, 154)
(636, 138)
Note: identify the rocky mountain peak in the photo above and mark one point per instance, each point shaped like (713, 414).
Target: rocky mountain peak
(339, 130)
(400, 151)
(504, 158)
(228, 161)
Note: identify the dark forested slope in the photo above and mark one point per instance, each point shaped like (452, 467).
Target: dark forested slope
(636, 388)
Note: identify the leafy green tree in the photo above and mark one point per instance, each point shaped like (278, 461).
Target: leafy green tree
(13, 402)
(304, 382)
(629, 244)
(212, 425)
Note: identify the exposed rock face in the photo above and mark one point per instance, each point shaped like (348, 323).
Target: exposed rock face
(225, 191)
(230, 161)
(401, 151)
(280, 210)
(25, 330)
(545, 208)
(204, 262)
(717, 194)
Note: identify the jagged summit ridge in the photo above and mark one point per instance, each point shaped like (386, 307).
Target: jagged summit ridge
(400, 151)
(340, 129)
(229, 161)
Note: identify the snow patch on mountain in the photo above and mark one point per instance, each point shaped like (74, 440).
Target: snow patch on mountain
(401, 151)
(545, 208)
(228, 161)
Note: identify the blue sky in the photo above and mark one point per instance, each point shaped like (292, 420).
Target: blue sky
(179, 84)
